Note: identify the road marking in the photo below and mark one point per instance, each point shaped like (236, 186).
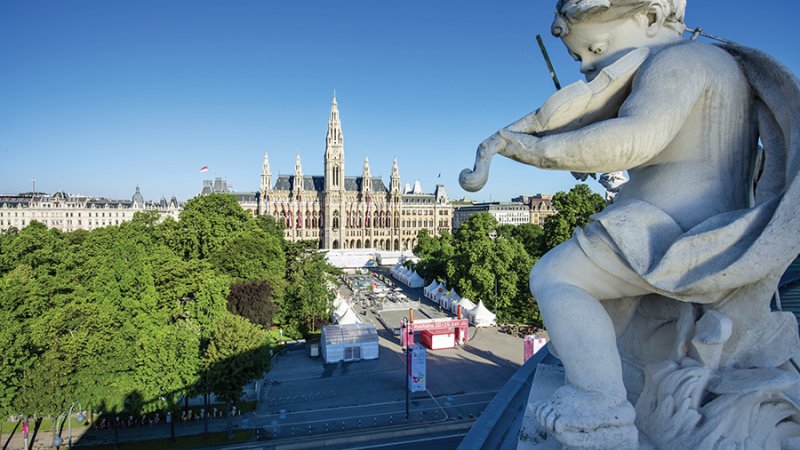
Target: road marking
(410, 441)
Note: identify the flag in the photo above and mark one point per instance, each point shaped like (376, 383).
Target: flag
(230, 185)
(440, 175)
(204, 169)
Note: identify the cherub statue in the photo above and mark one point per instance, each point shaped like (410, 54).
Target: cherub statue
(672, 113)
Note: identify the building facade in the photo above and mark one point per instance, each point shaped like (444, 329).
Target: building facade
(541, 206)
(506, 213)
(77, 212)
(344, 212)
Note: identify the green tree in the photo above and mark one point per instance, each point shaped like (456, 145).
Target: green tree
(271, 226)
(530, 236)
(491, 267)
(573, 210)
(252, 255)
(309, 299)
(206, 222)
(167, 364)
(237, 353)
(84, 353)
(36, 245)
(253, 300)
(434, 253)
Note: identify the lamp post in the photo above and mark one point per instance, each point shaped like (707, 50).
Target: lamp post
(57, 441)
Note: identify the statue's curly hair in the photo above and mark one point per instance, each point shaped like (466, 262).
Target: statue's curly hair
(571, 11)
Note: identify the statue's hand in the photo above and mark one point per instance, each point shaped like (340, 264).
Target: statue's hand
(525, 148)
(473, 180)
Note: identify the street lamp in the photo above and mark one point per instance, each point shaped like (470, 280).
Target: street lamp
(57, 441)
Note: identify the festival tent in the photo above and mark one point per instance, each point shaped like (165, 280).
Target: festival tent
(480, 316)
(340, 309)
(452, 301)
(349, 317)
(349, 342)
(430, 290)
(466, 306)
(415, 281)
(448, 300)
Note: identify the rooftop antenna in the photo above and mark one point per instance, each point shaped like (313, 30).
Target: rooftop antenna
(33, 180)
(549, 63)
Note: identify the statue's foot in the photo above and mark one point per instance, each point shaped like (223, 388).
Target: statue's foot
(580, 419)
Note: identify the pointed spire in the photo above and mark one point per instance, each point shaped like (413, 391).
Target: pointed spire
(394, 180)
(266, 177)
(265, 167)
(366, 178)
(298, 168)
(365, 171)
(334, 136)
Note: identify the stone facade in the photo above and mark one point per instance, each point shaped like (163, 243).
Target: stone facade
(506, 213)
(77, 212)
(523, 209)
(541, 206)
(351, 212)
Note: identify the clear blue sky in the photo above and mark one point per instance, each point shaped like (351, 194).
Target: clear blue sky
(97, 97)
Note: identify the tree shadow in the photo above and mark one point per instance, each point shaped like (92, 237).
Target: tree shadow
(145, 418)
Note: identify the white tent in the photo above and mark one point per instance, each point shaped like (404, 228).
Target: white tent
(349, 317)
(466, 306)
(446, 301)
(480, 316)
(453, 303)
(349, 342)
(431, 290)
(415, 281)
(340, 309)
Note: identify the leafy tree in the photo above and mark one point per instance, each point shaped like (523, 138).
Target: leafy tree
(491, 267)
(252, 255)
(84, 353)
(117, 273)
(309, 299)
(573, 210)
(530, 236)
(237, 353)
(205, 223)
(271, 226)
(435, 254)
(167, 364)
(36, 245)
(253, 300)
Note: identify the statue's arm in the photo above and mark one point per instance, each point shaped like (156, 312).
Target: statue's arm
(664, 93)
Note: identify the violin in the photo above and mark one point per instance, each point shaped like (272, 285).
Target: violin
(571, 108)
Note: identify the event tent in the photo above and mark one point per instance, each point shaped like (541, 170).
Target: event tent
(351, 342)
(480, 316)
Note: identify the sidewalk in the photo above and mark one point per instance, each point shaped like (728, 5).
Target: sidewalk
(84, 436)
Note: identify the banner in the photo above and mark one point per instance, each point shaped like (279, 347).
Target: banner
(417, 369)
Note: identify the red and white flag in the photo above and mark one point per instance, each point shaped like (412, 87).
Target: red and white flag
(204, 169)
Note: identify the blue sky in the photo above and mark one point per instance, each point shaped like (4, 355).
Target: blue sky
(97, 97)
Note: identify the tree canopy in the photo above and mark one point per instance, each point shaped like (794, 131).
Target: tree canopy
(491, 262)
(137, 316)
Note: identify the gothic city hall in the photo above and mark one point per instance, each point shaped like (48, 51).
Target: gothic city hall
(346, 212)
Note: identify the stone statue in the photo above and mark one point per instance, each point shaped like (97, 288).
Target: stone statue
(662, 300)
